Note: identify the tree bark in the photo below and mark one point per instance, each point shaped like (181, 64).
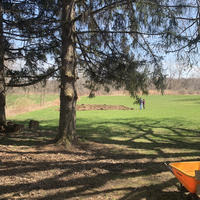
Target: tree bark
(2, 72)
(68, 95)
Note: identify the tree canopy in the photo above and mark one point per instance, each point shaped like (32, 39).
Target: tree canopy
(110, 36)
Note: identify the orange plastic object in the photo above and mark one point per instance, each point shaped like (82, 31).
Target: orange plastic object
(185, 173)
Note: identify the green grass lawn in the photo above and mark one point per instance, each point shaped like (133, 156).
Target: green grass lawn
(168, 130)
(168, 121)
(166, 118)
(165, 113)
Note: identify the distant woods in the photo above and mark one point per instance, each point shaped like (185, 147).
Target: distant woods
(180, 86)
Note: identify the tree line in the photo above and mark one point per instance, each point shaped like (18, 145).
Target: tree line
(180, 86)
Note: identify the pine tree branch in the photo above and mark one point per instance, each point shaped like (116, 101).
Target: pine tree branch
(119, 32)
(36, 80)
(167, 6)
(105, 8)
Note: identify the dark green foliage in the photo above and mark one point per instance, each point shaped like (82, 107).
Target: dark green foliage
(30, 34)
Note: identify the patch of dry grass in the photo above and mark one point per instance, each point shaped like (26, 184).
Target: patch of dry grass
(25, 105)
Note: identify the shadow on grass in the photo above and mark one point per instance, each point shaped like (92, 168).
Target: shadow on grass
(43, 124)
(129, 166)
(150, 135)
(191, 99)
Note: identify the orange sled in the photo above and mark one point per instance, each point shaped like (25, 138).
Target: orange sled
(188, 174)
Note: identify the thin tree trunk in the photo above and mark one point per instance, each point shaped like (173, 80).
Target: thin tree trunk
(68, 96)
(2, 73)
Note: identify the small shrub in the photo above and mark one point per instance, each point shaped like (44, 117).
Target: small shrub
(198, 92)
(182, 91)
(191, 91)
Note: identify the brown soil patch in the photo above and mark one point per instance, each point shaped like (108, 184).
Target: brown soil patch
(84, 107)
(32, 167)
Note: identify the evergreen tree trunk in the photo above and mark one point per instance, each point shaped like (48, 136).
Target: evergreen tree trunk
(2, 73)
(68, 96)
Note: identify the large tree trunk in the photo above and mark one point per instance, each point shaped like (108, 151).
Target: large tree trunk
(68, 96)
(2, 73)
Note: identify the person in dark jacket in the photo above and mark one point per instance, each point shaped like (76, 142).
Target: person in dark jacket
(143, 103)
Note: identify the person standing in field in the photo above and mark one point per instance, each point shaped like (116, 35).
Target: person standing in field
(143, 103)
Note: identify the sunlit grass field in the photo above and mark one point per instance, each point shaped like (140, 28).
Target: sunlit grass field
(166, 120)
(162, 112)
(170, 122)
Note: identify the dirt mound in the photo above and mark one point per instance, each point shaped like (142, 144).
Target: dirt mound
(83, 107)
